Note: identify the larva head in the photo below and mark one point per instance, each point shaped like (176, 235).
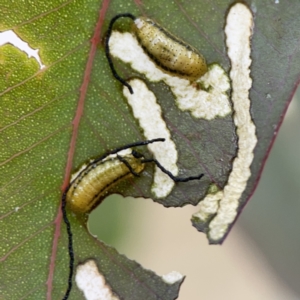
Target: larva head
(170, 54)
(93, 183)
(135, 162)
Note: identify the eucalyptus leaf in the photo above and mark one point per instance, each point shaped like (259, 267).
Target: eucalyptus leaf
(53, 119)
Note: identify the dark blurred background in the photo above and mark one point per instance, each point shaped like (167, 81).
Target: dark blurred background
(260, 258)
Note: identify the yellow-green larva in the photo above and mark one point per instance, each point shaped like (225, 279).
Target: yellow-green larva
(91, 185)
(170, 53)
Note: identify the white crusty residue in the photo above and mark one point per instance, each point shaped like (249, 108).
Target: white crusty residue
(225, 203)
(208, 206)
(139, 23)
(207, 104)
(92, 283)
(149, 115)
(172, 277)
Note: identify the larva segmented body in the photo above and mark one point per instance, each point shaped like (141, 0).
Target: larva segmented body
(91, 185)
(170, 54)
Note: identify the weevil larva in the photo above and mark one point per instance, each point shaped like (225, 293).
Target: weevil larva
(169, 53)
(90, 186)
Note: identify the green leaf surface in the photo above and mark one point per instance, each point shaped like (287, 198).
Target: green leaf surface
(41, 110)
